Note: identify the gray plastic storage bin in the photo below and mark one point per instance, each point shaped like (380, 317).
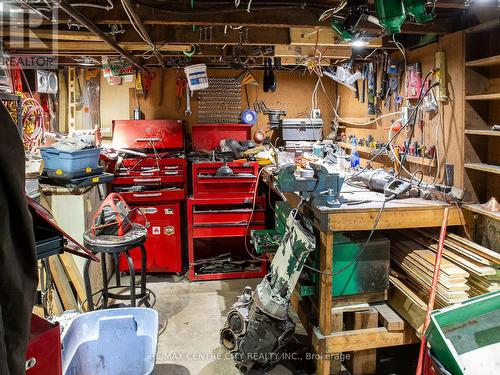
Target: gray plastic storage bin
(69, 161)
(118, 341)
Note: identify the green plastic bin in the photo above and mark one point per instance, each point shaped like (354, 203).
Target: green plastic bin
(465, 337)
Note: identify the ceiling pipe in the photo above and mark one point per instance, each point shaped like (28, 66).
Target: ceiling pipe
(79, 17)
(143, 30)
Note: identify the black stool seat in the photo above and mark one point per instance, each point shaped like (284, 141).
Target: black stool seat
(107, 243)
(115, 246)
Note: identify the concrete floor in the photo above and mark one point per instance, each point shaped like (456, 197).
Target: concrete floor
(193, 314)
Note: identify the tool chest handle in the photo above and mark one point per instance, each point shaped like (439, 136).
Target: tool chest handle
(146, 195)
(139, 180)
(147, 139)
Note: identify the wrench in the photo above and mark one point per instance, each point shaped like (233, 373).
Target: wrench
(188, 111)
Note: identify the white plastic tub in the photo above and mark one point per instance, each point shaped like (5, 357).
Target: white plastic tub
(118, 341)
(197, 76)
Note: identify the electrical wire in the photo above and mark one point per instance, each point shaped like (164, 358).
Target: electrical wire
(98, 6)
(148, 54)
(349, 122)
(254, 201)
(411, 120)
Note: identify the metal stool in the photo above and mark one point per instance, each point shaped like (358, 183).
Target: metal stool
(115, 245)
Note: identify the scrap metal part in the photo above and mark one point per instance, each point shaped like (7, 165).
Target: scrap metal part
(258, 327)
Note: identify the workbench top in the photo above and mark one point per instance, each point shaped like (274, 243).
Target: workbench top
(361, 206)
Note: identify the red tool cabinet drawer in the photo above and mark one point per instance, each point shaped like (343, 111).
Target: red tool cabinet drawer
(150, 172)
(224, 230)
(43, 355)
(201, 215)
(153, 196)
(150, 166)
(163, 244)
(146, 180)
(206, 184)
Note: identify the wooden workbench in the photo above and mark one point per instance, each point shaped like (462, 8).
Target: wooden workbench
(397, 214)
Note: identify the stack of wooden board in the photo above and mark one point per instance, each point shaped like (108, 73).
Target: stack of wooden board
(467, 270)
(481, 263)
(416, 263)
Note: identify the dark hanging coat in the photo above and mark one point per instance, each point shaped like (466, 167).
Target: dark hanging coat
(18, 269)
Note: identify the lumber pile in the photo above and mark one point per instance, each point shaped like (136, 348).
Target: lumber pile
(63, 289)
(467, 269)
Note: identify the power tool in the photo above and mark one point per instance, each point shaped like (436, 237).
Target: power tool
(113, 217)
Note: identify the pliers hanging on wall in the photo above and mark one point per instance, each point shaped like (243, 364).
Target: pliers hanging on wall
(180, 86)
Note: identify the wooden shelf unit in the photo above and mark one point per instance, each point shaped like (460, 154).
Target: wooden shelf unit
(488, 96)
(492, 133)
(480, 210)
(485, 62)
(483, 167)
(482, 91)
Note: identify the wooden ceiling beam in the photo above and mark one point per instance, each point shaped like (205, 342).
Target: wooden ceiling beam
(284, 18)
(78, 46)
(48, 34)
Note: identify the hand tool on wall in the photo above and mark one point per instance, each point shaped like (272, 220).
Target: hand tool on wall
(272, 78)
(421, 124)
(364, 73)
(371, 89)
(188, 111)
(180, 85)
(266, 79)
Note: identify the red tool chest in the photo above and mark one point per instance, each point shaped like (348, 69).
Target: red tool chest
(221, 211)
(156, 184)
(148, 134)
(43, 355)
(222, 225)
(164, 239)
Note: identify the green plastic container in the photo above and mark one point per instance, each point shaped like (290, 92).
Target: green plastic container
(391, 15)
(417, 9)
(367, 274)
(465, 337)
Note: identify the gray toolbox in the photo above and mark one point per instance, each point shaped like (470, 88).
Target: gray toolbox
(302, 129)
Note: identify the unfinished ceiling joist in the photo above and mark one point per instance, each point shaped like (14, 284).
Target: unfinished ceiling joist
(299, 52)
(326, 38)
(19, 45)
(282, 17)
(79, 17)
(142, 29)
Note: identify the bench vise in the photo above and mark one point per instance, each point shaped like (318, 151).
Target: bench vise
(322, 187)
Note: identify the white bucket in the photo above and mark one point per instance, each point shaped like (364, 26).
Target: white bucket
(197, 76)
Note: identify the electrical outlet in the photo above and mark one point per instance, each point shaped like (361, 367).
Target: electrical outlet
(449, 174)
(315, 113)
